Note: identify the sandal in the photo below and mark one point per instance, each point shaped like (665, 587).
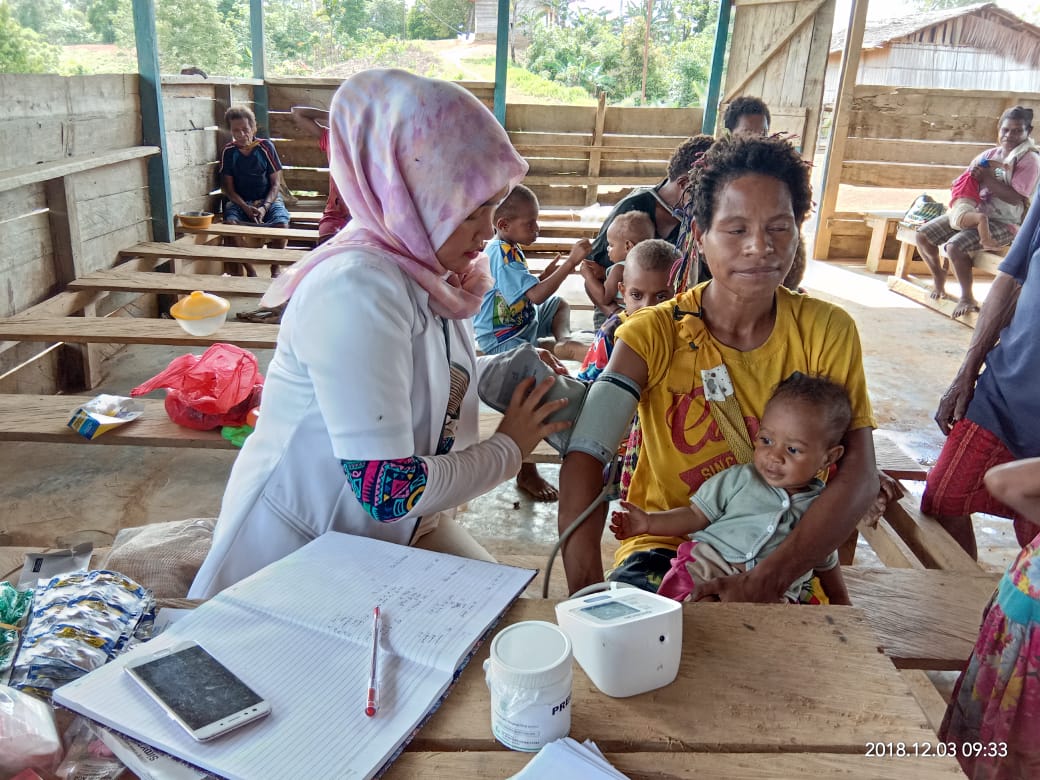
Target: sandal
(269, 316)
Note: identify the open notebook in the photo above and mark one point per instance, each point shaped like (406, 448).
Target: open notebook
(299, 633)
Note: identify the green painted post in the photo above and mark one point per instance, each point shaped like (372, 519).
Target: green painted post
(501, 61)
(718, 59)
(153, 126)
(256, 35)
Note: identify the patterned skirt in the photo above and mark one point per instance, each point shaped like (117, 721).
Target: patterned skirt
(994, 714)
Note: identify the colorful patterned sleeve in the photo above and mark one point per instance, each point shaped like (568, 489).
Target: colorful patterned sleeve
(387, 489)
(600, 350)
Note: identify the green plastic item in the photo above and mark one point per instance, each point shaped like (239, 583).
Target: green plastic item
(236, 436)
(14, 604)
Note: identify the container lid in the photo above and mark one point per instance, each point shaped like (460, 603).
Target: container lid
(531, 654)
(200, 305)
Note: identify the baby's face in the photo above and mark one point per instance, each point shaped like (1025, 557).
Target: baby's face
(617, 244)
(792, 445)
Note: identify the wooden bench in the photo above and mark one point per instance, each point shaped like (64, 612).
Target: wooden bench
(26, 417)
(43, 418)
(551, 227)
(883, 227)
(218, 230)
(132, 330)
(903, 283)
(123, 280)
(186, 252)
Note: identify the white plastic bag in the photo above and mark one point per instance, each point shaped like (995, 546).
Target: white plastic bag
(28, 736)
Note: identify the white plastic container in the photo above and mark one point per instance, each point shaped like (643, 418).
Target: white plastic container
(529, 676)
(201, 313)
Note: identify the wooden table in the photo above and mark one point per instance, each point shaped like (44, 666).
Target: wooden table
(763, 691)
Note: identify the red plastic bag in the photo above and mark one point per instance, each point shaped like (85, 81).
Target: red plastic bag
(208, 391)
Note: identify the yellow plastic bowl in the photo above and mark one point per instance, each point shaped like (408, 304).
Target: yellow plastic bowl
(201, 313)
(196, 219)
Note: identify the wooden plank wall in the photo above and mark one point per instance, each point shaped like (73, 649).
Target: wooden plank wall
(563, 144)
(75, 221)
(906, 137)
(193, 110)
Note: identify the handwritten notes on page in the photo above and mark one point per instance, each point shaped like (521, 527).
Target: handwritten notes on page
(299, 633)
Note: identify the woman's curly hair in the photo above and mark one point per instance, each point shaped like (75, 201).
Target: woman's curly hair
(731, 157)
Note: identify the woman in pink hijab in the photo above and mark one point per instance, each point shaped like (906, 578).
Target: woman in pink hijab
(369, 418)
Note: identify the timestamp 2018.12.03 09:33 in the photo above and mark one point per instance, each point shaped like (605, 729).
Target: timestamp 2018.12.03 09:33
(938, 749)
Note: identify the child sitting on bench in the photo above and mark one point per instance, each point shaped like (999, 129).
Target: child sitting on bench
(965, 199)
(740, 515)
(522, 308)
(625, 231)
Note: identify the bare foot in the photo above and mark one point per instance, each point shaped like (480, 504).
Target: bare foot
(571, 349)
(964, 306)
(938, 285)
(532, 483)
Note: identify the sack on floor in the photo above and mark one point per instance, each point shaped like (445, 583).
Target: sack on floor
(924, 209)
(209, 391)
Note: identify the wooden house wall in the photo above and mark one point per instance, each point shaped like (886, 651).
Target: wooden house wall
(927, 66)
(574, 151)
(62, 215)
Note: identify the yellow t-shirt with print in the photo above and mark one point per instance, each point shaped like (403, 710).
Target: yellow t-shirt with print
(682, 444)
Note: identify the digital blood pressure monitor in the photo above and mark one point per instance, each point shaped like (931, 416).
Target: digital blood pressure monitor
(627, 640)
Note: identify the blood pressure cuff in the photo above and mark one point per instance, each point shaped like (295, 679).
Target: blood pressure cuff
(500, 374)
(605, 416)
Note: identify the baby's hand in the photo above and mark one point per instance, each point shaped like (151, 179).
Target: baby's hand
(592, 271)
(632, 522)
(579, 252)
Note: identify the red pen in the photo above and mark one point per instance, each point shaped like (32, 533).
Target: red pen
(371, 704)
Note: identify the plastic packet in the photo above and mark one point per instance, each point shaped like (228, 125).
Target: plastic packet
(79, 622)
(103, 413)
(28, 736)
(14, 606)
(87, 757)
(44, 565)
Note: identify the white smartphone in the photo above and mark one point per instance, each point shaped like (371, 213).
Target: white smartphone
(197, 691)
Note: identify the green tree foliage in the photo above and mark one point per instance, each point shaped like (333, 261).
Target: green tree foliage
(586, 54)
(388, 17)
(23, 50)
(348, 17)
(56, 22)
(597, 53)
(190, 34)
(422, 26)
(437, 19)
(102, 15)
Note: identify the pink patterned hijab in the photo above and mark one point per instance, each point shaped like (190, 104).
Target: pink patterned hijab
(413, 157)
